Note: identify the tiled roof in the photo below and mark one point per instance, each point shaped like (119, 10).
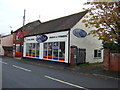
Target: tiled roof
(59, 24)
(29, 26)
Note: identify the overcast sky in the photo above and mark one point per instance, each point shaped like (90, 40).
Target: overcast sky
(12, 11)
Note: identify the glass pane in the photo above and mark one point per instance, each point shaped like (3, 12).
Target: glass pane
(50, 50)
(33, 50)
(37, 49)
(45, 50)
(55, 50)
(62, 51)
(17, 47)
(95, 53)
(99, 54)
(27, 49)
(30, 49)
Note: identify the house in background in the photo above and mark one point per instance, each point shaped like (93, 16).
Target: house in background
(18, 37)
(65, 40)
(0, 45)
(6, 45)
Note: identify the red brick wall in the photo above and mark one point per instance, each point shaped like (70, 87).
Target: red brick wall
(111, 61)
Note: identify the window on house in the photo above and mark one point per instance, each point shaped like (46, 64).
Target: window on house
(17, 47)
(97, 53)
(17, 37)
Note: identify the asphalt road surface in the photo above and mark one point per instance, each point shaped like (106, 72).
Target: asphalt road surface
(16, 74)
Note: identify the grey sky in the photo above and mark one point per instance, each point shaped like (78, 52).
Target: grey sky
(11, 11)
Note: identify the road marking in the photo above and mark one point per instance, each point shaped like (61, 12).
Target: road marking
(21, 68)
(3, 62)
(66, 82)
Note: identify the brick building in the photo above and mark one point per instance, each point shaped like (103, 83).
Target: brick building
(6, 43)
(18, 41)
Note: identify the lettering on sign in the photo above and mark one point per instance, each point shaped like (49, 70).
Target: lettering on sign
(31, 39)
(58, 36)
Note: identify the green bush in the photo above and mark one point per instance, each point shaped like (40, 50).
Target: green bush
(112, 46)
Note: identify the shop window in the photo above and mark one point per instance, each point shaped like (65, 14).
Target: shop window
(54, 51)
(17, 47)
(97, 53)
(32, 50)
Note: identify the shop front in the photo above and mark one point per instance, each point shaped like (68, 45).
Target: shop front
(53, 46)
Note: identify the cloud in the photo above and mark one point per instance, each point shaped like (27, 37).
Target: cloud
(13, 10)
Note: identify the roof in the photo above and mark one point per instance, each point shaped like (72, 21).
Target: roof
(5, 35)
(60, 24)
(29, 26)
(7, 48)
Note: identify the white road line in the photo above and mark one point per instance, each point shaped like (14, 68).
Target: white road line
(66, 82)
(3, 62)
(21, 68)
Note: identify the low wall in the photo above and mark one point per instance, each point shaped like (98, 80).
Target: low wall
(111, 61)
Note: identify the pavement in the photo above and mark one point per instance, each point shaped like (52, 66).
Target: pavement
(86, 69)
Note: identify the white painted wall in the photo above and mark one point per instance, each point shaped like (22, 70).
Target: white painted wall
(89, 43)
(59, 39)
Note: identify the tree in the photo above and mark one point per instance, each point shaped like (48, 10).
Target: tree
(105, 17)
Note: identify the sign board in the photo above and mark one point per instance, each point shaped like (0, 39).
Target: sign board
(79, 33)
(41, 38)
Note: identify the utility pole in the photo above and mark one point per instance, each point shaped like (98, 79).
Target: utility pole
(24, 17)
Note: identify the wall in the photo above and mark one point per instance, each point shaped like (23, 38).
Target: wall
(6, 41)
(0, 45)
(32, 39)
(89, 43)
(111, 61)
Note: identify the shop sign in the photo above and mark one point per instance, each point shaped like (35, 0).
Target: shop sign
(61, 36)
(30, 39)
(41, 38)
(79, 33)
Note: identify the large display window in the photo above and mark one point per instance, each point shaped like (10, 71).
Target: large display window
(54, 51)
(32, 49)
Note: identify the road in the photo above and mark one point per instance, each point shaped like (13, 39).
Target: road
(16, 74)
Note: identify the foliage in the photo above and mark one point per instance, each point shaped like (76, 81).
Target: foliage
(112, 46)
(105, 17)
